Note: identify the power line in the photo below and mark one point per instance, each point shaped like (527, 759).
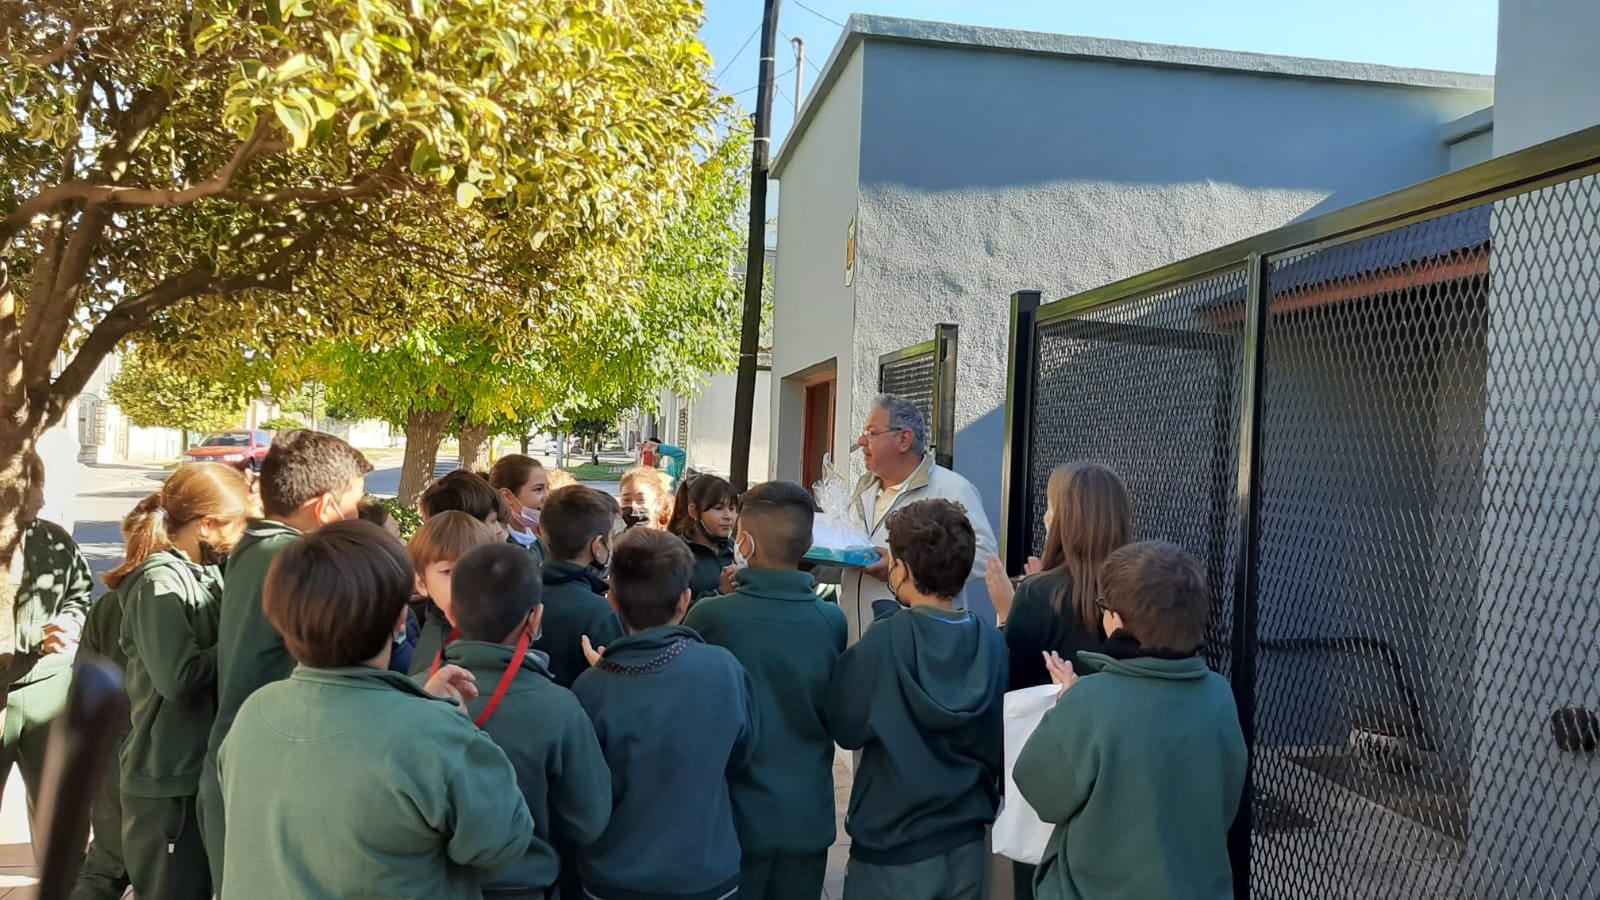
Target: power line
(737, 53)
(818, 15)
(754, 86)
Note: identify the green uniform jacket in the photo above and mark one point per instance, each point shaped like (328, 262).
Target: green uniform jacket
(921, 696)
(345, 783)
(249, 651)
(574, 605)
(789, 642)
(705, 579)
(102, 630)
(55, 582)
(1141, 769)
(169, 632)
(550, 742)
(434, 632)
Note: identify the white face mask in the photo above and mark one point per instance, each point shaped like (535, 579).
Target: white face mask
(739, 558)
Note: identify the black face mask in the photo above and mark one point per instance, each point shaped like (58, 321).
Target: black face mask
(633, 518)
(211, 556)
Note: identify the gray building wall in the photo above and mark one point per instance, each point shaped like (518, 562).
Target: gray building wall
(813, 310)
(1546, 71)
(984, 171)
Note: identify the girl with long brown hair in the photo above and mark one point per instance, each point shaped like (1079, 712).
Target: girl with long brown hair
(1087, 515)
(704, 515)
(171, 586)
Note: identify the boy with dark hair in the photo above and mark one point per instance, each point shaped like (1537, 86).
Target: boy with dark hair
(494, 597)
(346, 779)
(676, 720)
(789, 642)
(308, 480)
(921, 697)
(371, 509)
(434, 550)
(463, 491)
(1140, 766)
(576, 526)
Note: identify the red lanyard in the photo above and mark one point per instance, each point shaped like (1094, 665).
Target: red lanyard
(517, 656)
(449, 639)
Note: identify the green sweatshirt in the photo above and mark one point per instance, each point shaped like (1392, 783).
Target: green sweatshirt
(353, 782)
(574, 605)
(705, 579)
(434, 633)
(921, 696)
(550, 742)
(55, 582)
(789, 642)
(1141, 769)
(249, 651)
(169, 632)
(102, 630)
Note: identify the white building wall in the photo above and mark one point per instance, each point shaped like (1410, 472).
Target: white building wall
(1547, 71)
(813, 310)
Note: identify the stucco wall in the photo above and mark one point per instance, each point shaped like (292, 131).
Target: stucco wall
(813, 310)
(985, 172)
(1546, 71)
(710, 441)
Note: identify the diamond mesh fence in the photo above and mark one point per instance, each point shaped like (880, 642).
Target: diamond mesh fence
(1426, 644)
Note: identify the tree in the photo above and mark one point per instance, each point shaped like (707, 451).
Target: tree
(593, 427)
(614, 336)
(237, 172)
(154, 396)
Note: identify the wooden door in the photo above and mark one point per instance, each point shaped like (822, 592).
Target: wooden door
(818, 439)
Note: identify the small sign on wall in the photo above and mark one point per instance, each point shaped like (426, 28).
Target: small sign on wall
(850, 253)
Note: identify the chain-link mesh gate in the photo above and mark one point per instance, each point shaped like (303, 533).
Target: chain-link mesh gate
(925, 374)
(1382, 434)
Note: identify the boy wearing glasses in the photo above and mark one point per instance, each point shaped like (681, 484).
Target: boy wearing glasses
(1141, 765)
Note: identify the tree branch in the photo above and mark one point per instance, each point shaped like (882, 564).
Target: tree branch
(50, 58)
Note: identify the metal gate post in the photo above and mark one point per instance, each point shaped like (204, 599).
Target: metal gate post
(1016, 502)
(1242, 670)
(944, 395)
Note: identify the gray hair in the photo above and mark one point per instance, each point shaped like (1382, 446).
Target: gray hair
(905, 416)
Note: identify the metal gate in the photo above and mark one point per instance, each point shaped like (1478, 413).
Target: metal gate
(925, 374)
(1380, 429)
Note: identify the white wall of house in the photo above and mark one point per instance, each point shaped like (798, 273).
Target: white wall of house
(1546, 71)
(709, 441)
(814, 314)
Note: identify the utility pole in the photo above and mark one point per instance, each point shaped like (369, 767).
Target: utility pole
(799, 71)
(744, 395)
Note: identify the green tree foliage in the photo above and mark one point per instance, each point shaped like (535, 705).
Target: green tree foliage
(154, 396)
(244, 177)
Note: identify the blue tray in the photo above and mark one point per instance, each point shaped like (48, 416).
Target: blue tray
(850, 559)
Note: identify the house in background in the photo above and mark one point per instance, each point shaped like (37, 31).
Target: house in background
(937, 167)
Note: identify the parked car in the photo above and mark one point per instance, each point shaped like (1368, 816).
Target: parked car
(244, 450)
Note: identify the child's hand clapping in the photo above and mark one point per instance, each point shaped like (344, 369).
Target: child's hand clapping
(591, 652)
(1061, 674)
(453, 683)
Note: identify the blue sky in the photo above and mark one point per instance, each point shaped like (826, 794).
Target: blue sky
(1433, 34)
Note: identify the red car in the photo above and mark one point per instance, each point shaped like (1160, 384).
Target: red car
(241, 449)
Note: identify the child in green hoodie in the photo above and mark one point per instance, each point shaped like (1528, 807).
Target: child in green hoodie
(1140, 766)
(495, 602)
(308, 480)
(171, 586)
(676, 719)
(577, 526)
(347, 779)
(921, 696)
(789, 641)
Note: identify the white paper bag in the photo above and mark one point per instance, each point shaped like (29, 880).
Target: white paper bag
(1018, 832)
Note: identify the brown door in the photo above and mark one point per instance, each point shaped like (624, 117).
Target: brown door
(819, 426)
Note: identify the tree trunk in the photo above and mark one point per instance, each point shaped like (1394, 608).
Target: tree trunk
(527, 439)
(561, 449)
(424, 431)
(475, 447)
(17, 441)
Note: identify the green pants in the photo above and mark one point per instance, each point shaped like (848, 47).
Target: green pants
(960, 874)
(783, 876)
(1022, 880)
(209, 808)
(162, 847)
(103, 876)
(39, 687)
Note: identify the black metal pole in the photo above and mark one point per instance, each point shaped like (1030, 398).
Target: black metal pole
(1242, 665)
(744, 395)
(1016, 504)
